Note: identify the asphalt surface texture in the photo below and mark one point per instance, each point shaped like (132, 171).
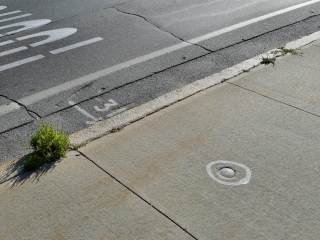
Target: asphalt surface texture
(119, 66)
(239, 160)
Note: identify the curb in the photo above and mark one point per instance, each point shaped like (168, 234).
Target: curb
(14, 167)
(123, 119)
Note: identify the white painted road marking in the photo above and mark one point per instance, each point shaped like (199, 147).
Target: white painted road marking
(107, 106)
(73, 46)
(15, 50)
(9, 13)
(4, 109)
(249, 22)
(84, 112)
(18, 63)
(104, 72)
(25, 25)
(6, 42)
(244, 180)
(16, 17)
(53, 35)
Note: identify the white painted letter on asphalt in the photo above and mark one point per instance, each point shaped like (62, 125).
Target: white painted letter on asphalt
(26, 25)
(53, 35)
(107, 106)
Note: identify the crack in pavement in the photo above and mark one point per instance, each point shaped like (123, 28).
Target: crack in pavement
(136, 194)
(70, 17)
(31, 113)
(184, 62)
(121, 4)
(153, 24)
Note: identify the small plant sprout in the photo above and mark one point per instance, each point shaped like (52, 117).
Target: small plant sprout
(268, 60)
(284, 51)
(48, 145)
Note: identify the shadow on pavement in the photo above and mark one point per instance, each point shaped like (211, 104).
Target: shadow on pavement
(14, 174)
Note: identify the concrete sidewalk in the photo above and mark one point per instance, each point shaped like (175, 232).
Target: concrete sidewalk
(240, 160)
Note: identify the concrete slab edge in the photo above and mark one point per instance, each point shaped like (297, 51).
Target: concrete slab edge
(123, 119)
(104, 127)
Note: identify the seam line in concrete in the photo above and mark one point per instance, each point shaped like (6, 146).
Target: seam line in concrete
(273, 99)
(136, 194)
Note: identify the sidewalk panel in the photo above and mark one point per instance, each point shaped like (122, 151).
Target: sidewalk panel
(76, 200)
(164, 157)
(293, 80)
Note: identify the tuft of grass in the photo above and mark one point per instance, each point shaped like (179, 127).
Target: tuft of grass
(267, 60)
(48, 145)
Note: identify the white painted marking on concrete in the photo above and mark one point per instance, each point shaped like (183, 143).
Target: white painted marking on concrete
(9, 13)
(16, 17)
(104, 72)
(6, 42)
(26, 25)
(19, 63)
(15, 50)
(249, 22)
(2, 7)
(77, 45)
(120, 110)
(107, 106)
(84, 112)
(53, 35)
(244, 180)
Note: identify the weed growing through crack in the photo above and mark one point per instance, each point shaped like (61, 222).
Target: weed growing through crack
(48, 145)
(285, 51)
(267, 60)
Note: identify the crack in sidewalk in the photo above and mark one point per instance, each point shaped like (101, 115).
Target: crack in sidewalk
(136, 194)
(172, 34)
(31, 113)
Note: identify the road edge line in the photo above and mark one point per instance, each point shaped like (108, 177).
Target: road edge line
(130, 116)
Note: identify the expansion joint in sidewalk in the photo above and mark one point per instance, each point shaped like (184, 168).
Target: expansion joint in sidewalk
(273, 99)
(136, 194)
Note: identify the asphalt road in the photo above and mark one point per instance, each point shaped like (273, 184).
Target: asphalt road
(74, 63)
